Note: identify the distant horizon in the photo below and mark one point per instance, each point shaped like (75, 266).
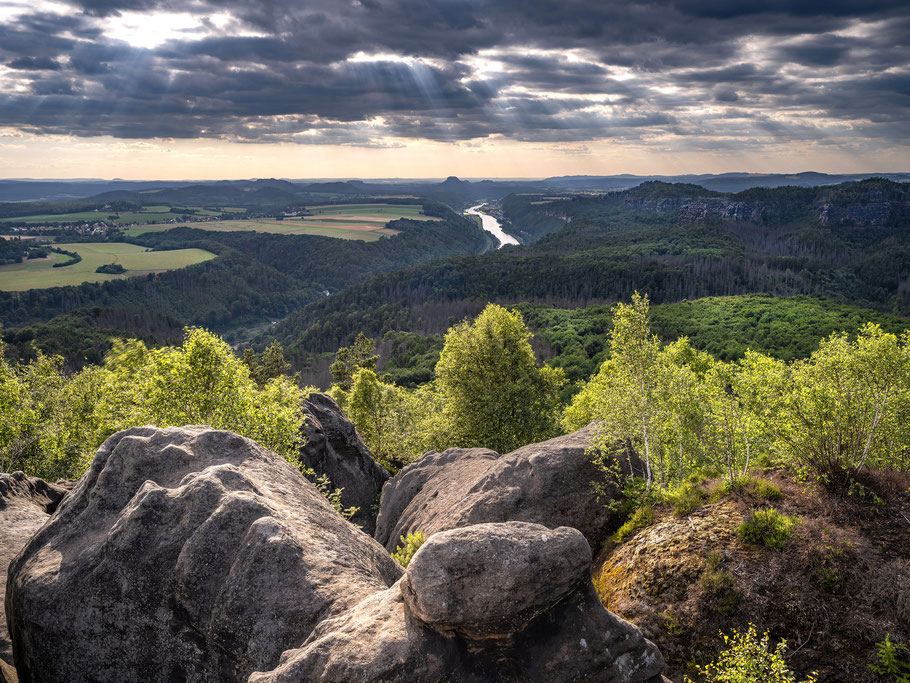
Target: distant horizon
(439, 178)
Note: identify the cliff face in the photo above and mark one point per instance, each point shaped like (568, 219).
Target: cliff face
(873, 208)
(869, 203)
(702, 208)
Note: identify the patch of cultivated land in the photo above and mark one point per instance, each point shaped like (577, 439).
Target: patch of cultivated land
(346, 221)
(40, 273)
(148, 213)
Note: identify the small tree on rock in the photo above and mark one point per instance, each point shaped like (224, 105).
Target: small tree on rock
(492, 391)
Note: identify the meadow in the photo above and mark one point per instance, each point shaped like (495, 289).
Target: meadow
(41, 274)
(364, 222)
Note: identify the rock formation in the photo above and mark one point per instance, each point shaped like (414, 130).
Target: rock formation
(184, 554)
(489, 602)
(25, 505)
(195, 554)
(334, 448)
(549, 483)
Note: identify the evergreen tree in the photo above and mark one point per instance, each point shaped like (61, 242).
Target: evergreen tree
(349, 359)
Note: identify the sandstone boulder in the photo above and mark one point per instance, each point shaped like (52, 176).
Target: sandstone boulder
(25, 505)
(378, 640)
(184, 554)
(491, 580)
(334, 448)
(544, 627)
(548, 483)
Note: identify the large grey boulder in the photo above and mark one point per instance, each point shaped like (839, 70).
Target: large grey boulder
(549, 483)
(334, 448)
(491, 580)
(431, 625)
(376, 641)
(26, 503)
(184, 554)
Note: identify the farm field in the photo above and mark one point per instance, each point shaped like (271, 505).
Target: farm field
(40, 273)
(346, 221)
(148, 213)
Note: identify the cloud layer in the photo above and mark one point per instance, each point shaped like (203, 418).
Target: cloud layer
(681, 74)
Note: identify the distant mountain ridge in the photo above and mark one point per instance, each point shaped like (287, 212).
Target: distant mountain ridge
(451, 189)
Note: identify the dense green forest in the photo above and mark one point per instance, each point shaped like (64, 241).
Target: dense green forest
(838, 243)
(83, 337)
(829, 415)
(574, 339)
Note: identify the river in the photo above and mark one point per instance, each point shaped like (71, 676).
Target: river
(492, 226)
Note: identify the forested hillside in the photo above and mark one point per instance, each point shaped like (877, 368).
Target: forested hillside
(257, 277)
(849, 243)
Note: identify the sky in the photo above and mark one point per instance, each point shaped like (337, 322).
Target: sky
(169, 89)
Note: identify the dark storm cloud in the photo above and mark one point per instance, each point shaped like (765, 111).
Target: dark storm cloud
(34, 64)
(551, 70)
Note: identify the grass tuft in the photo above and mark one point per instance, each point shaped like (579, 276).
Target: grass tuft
(768, 527)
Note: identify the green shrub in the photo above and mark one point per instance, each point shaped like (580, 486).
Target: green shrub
(767, 490)
(685, 498)
(893, 660)
(749, 659)
(720, 586)
(761, 488)
(409, 546)
(767, 527)
(642, 517)
(324, 485)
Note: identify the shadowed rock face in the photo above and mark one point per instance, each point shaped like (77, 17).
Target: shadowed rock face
(333, 447)
(184, 554)
(195, 554)
(26, 504)
(548, 483)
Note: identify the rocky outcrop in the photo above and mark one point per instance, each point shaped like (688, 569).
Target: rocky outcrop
(548, 483)
(871, 213)
(184, 554)
(490, 602)
(26, 503)
(691, 209)
(334, 448)
(195, 554)
(841, 581)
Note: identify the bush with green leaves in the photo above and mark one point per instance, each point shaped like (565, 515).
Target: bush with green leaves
(641, 518)
(767, 527)
(200, 382)
(409, 545)
(826, 417)
(748, 658)
(844, 407)
(398, 425)
(893, 660)
(493, 393)
(51, 423)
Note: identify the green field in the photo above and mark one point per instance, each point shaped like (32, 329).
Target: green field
(346, 221)
(40, 273)
(148, 213)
